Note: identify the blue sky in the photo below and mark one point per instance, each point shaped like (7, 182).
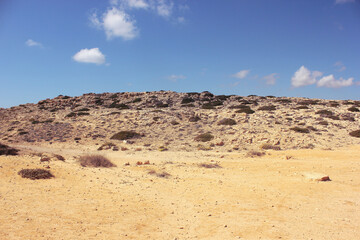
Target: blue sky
(301, 48)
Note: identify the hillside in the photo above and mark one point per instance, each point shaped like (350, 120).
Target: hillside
(170, 120)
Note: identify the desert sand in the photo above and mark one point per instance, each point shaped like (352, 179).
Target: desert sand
(217, 189)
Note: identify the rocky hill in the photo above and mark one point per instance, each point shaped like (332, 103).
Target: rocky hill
(166, 120)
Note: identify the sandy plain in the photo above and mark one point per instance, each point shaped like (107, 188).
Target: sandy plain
(274, 196)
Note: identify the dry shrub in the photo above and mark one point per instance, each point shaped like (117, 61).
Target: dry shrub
(95, 161)
(34, 174)
(227, 121)
(162, 174)
(325, 112)
(209, 165)
(267, 108)
(353, 109)
(355, 133)
(59, 157)
(255, 154)
(247, 110)
(205, 137)
(268, 146)
(6, 150)
(324, 123)
(300, 130)
(194, 118)
(123, 135)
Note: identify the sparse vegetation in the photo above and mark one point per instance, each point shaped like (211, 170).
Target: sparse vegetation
(34, 174)
(6, 150)
(268, 146)
(247, 110)
(353, 109)
(227, 121)
(267, 108)
(300, 130)
(205, 137)
(355, 133)
(161, 174)
(325, 112)
(209, 165)
(124, 135)
(186, 100)
(95, 161)
(255, 154)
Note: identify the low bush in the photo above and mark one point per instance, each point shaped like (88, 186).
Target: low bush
(136, 100)
(267, 108)
(308, 102)
(255, 154)
(300, 130)
(205, 137)
(186, 100)
(124, 135)
(355, 133)
(268, 146)
(95, 161)
(325, 112)
(34, 174)
(324, 123)
(227, 121)
(6, 150)
(245, 110)
(301, 107)
(353, 109)
(209, 165)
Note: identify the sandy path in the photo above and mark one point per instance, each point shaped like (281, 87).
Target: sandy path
(259, 198)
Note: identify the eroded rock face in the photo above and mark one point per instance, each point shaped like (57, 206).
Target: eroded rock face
(172, 119)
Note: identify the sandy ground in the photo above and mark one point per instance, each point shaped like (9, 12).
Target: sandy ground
(271, 197)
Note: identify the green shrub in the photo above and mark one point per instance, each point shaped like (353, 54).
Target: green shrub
(300, 130)
(205, 137)
(355, 133)
(34, 174)
(124, 135)
(95, 161)
(227, 121)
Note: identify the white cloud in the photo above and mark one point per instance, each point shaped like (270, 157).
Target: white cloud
(242, 74)
(116, 23)
(92, 55)
(340, 66)
(174, 78)
(164, 8)
(304, 77)
(271, 78)
(331, 82)
(136, 3)
(343, 1)
(32, 43)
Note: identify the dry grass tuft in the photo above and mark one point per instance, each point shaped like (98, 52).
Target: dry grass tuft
(268, 146)
(95, 161)
(162, 174)
(355, 133)
(253, 154)
(34, 174)
(205, 137)
(124, 135)
(209, 165)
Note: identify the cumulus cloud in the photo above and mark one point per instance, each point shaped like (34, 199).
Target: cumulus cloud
(136, 3)
(271, 78)
(116, 23)
(92, 55)
(331, 82)
(340, 66)
(343, 1)
(32, 43)
(304, 77)
(242, 74)
(174, 78)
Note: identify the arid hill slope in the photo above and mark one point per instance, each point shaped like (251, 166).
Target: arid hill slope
(170, 120)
